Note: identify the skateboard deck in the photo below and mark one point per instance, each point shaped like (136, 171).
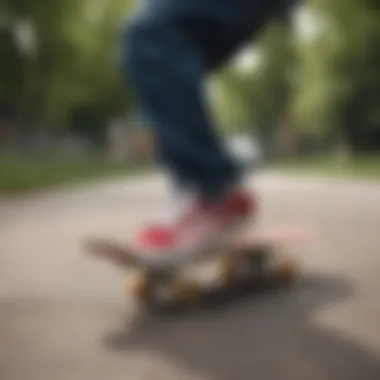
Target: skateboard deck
(249, 260)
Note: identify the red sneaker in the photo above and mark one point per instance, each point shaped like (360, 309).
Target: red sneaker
(202, 226)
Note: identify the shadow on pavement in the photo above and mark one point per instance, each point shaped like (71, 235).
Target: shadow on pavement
(268, 336)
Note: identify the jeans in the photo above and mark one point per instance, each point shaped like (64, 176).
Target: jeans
(168, 49)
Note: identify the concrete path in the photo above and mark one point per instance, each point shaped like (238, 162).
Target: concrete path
(59, 309)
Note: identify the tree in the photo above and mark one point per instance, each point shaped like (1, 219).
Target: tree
(258, 98)
(328, 83)
(70, 64)
(340, 83)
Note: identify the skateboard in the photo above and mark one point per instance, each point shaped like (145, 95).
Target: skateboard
(248, 262)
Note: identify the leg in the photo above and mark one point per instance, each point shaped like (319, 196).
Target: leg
(168, 67)
(169, 50)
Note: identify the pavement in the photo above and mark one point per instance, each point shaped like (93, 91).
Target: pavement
(66, 316)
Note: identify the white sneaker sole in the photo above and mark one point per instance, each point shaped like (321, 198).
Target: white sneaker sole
(166, 259)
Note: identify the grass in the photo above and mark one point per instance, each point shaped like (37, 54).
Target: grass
(352, 167)
(24, 173)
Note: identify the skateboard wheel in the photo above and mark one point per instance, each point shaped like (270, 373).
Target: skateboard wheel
(287, 273)
(228, 271)
(184, 291)
(141, 287)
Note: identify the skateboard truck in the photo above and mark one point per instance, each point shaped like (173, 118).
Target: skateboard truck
(257, 260)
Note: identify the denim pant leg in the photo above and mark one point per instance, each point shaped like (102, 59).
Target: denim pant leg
(168, 49)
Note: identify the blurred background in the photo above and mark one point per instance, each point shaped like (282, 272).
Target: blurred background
(302, 102)
(306, 92)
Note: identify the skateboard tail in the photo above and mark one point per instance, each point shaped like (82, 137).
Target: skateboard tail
(112, 252)
(281, 236)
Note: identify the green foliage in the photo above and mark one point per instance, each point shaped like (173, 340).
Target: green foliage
(63, 72)
(327, 86)
(20, 173)
(339, 91)
(258, 98)
(70, 60)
